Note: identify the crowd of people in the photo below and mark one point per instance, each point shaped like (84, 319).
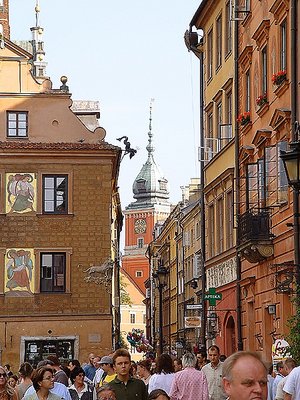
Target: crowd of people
(241, 376)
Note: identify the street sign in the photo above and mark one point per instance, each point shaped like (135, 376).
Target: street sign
(212, 296)
(194, 306)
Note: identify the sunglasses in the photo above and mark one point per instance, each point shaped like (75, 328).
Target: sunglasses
(3, 375)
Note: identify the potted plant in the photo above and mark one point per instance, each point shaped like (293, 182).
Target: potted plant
(279, 77)
(262, 99)
(244, 118)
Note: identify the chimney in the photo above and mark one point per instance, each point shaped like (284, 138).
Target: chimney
(4, 18)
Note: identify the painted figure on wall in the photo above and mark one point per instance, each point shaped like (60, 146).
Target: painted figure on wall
(20, 193)
(19, 269)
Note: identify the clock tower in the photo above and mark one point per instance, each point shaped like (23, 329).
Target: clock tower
(151, 194)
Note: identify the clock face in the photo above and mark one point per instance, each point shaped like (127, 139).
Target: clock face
(140, 226)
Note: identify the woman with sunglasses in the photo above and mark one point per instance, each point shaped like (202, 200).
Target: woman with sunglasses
(80, 390)
(43, 382)
(6, 391)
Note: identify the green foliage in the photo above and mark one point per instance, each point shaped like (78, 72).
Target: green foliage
(294, 335)
(124, 296)
(123, 343)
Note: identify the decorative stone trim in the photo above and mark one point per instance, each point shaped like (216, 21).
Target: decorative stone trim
(245, 58)
(261, 35)
(279, 9)
(262, 109)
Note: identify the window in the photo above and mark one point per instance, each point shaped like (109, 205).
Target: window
(252, 186)
(211, 230)
(132, 318)
(261, 183)
(264, 77)
(209, 54)
(17, 124)
(144, 319)
(283, 46)
(220, 234)
(55, 194)
(53, 272)
(229, 219)
(138, 274)
(219, 123)
(281, 175)
(266, 179)
(247, 94)
(219, 42)
(140, 243)
(228, 43)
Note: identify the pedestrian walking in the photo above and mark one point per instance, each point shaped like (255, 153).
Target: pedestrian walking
(190, 383)
(124, 385)
(164, 376)
(289, 364)
(42, 381)
(25, 372)
(213, 373)
(7, 392)
(90, 369)
(292, 385)
(80, 390)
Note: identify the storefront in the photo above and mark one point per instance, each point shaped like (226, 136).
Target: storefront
(35, 349)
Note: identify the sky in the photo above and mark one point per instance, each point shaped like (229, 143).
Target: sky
(123, 54)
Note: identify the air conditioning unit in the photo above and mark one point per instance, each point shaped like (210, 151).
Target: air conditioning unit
(197, 267)
(239, 7)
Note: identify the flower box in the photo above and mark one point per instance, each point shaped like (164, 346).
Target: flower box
(244, 118)
(279, 78)
(261, 100)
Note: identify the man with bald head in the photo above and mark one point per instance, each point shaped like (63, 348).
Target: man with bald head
(245, 377)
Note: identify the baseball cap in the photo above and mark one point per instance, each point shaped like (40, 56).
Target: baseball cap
(106, 360)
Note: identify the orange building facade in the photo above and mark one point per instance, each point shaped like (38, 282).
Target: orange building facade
(266, 235)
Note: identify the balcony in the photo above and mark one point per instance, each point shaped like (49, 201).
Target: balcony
(254, 232)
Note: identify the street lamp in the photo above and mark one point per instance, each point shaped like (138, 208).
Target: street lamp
(291, 162)
(160, 276)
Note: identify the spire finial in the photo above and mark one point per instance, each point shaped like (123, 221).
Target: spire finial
(37, 13)
(150, 147)
(39, 63)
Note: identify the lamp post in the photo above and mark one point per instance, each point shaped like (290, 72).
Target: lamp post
(291, 162)
(160, 276)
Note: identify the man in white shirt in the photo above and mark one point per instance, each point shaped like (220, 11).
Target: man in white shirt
(213, 373)
(289, 364)
(292, 385)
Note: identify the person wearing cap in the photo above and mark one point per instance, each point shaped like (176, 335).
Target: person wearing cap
(109, 375)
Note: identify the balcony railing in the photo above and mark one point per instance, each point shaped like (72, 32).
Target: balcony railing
(255, 226)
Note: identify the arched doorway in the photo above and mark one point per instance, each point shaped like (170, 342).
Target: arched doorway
(230, 342)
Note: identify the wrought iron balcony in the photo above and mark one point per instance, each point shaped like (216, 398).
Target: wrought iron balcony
(255, 236)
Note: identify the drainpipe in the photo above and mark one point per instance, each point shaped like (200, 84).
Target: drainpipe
(237, 186)
(295, 133)
(202, 209)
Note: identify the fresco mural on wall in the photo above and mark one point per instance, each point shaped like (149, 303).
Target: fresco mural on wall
(20, 193)
(19, 271)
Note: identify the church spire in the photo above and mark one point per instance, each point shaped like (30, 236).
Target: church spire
(39, 65)
(150, 187)
(150, 148)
